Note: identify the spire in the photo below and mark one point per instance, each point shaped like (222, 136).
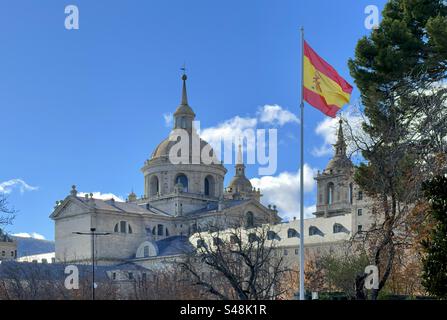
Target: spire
(340, 137)
(184, 94)
(239, 155)
(240, 167)
(184, 115)
(340, 159)
(340, 145)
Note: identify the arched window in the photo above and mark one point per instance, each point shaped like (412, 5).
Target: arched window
(249, 220)
(337, 228)
(292, 233)
(146, 251)
(154, 186)
(271, 235)
(209, 186)
(314, 231)
(123, 226)
(252, 237)
(330, 193)
(183, 180)
(351, 192)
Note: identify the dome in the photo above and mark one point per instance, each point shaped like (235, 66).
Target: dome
(339, 163)
(240, 184)
(162, 150)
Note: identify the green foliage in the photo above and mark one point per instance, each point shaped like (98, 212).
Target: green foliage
(410, 39)
(435, 259)
(408, 50)
(340, 272)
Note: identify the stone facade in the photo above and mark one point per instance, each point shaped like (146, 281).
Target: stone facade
(184, 198)
(8, 247)
(179, 200)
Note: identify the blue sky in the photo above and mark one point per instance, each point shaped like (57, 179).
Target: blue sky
(86, 106)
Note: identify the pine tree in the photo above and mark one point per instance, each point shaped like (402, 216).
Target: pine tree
(406, 51)
(435, 247)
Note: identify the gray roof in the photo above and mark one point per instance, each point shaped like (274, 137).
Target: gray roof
(174, 245)
(119, 207)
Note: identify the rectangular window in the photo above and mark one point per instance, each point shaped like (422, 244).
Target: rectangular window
(114, 276)
(160, 230)
(359, 212)
(296, 251)
(12, 254)
(286, 252)
(130, 275)
(360, 195)
(359, 228)
(143, 277)
(123, 226)
(3, 253)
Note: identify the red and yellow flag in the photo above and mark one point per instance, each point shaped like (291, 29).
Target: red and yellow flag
(323, 87)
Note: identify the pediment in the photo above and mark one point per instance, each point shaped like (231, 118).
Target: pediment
(69, 207)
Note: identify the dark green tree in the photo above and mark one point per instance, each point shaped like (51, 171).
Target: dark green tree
(435, 247)
(405, 55)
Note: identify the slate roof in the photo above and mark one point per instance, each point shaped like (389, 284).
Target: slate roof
(119, 207)
(173, 246)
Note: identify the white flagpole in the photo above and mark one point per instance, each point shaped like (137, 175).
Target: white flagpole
(302, 173)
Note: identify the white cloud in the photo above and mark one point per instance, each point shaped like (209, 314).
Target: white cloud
(244, 128)
(168, 117)
(283, 190)
(276, 115)
(101, 196)
(327, 129)
(229, 129)
(235, 127)
(8, 186)
(33, 235)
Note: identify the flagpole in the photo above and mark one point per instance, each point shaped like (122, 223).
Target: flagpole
(302, 173)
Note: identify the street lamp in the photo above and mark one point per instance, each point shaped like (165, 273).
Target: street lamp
(93, 233)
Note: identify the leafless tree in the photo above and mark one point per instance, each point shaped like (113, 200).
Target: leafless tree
(237, 263)
(7, 214)
(169, 283)
(31, 281)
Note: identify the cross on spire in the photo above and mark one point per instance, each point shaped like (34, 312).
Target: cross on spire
(184, 78)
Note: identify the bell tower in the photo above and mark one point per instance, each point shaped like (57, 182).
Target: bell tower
(335, 184)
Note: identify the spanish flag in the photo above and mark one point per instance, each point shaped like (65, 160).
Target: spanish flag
(323, 87)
